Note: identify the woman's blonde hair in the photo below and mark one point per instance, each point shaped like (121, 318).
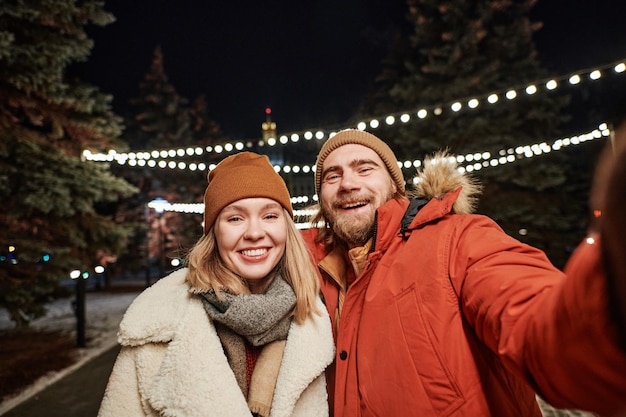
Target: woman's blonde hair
(207, 270)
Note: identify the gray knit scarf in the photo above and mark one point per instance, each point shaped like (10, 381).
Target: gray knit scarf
(259, 318)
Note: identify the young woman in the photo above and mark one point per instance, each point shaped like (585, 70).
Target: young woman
(241, 331)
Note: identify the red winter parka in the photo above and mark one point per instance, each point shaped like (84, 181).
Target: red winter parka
(452, 317)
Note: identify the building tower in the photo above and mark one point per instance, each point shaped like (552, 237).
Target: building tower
(269, 127)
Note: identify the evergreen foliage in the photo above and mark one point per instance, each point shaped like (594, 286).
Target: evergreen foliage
(53, 202)
(160, 116)
(162, 119)
(204, 130)
(457, 50)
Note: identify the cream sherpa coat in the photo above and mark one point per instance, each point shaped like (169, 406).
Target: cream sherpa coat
(172, 362)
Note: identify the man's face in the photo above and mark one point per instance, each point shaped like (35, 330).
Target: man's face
(355, 182)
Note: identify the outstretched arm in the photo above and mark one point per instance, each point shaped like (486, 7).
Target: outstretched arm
(606, 259)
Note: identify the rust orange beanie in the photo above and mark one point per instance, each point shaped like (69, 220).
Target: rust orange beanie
(243, 175)
(359, 137)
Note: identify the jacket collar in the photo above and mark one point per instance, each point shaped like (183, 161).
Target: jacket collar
(435, 209)
(388, 218)
(154, 315)
(335, 266)
(391, 215)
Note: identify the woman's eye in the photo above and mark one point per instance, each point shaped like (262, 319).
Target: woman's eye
(234, 219)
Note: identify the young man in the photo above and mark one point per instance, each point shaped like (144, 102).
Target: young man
(437, 312)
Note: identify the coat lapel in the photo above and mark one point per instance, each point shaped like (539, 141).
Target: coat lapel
(181, 365)
(309, 350)
(194, 379)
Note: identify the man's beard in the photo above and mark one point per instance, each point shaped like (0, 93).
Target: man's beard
(354, 230)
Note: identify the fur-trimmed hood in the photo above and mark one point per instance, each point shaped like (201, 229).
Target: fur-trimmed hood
(439, 176)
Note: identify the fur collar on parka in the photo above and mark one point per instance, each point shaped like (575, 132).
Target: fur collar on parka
(440, 176)
(172, 362)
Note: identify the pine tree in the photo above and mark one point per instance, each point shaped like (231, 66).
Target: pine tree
(160, 116)
(53, 203)
(458, 50)
(161, 119)
(204, 130)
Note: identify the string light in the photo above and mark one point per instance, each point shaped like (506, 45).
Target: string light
(467, 163)
(470, 162)
(531, 89)
(574, 78)
(504, 156)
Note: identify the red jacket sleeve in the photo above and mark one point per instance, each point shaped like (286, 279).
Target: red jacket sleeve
(551, 328)
(581, 362)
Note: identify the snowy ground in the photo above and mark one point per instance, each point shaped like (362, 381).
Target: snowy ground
(103, 313)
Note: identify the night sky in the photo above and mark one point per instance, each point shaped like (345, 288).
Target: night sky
(311, 62)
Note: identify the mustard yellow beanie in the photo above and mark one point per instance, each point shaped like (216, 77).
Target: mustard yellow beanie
(243, 175)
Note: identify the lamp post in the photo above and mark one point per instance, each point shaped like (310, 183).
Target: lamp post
(99, 270)
(159, 205)
(79, 305)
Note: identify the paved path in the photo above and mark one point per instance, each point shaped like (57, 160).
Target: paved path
(77, 394)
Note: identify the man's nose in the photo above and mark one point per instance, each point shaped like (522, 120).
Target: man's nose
(349, 181)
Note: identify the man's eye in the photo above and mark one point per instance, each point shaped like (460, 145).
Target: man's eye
(331, 178)
(364, 170)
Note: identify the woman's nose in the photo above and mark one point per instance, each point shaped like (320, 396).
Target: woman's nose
(255, 230)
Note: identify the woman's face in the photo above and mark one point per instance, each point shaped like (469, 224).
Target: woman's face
(251, 235)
